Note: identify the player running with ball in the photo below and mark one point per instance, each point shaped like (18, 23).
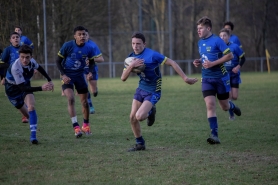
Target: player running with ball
(149, 91)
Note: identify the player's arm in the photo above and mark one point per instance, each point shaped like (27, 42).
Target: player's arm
(177, 68)
(225, 58)
(44, 87)
(91, 64)
(43, 72)
(127, 70)
(59, 65)
(99, 59)
(3, 65)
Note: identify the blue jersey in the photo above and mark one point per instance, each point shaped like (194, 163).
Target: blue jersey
(234, 39)
(213, 48)
(237, 52)
(150, 78)
(96, 54)
(75, 57)
(26, 40)
(10, 54)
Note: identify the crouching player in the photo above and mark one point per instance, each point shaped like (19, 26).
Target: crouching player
(18, 87)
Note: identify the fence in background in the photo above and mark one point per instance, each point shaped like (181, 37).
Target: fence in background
(252, 64)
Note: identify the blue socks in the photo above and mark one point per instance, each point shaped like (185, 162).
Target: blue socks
(213, 125)
(89, 100)
(140, 140)
(33, 125)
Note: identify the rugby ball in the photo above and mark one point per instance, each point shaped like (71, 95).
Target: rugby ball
(138, 69)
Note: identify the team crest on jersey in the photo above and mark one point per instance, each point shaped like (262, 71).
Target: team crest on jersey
(208, 48)
(77, 64)
(73, 56)
(79, 52)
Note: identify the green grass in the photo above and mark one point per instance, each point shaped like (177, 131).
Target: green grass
(177, 152)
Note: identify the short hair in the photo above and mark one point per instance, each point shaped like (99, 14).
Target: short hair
(225, 30)
(229, 23)
(18, 27)
(79, 28)
(139, 35)
(14, 33)
(205, 21)
(25, 49)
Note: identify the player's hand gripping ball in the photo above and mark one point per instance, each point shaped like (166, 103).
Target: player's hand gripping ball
(138, 69)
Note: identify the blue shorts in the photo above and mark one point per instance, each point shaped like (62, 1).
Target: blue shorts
(141, 96)
(15, 95)
(235, 78)
(219, 85)
(94, 72)
(78, 81)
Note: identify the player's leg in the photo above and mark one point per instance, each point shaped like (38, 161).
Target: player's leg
(30, 102)
(209, 93)
(69, 93)
(135, 124)
(82, 89)
(91, 106)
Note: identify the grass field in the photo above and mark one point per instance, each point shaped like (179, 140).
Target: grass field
(177, 151)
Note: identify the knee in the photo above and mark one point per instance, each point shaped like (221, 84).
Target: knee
(71, 100)
(132, 119)
(140, 117)
(210, 106)
(85, 103)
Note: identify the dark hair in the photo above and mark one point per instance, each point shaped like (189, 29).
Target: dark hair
(18, 27)
(14, 33)
(139, 35)
(229, 23)
(205, 21)
(25, 49)
(225, 30)
(79, 28)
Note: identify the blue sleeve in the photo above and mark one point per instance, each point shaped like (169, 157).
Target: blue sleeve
(30, 43)
(159, 58)
(63, 51)
(6, 55)
(239, 52)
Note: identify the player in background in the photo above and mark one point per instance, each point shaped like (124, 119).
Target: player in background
(71, 62)
(233, 38)
(215, 78)
(233, 66)
(92, 76)
(23, 39)
(9, 55)
(18, 87)
(148, 92)
(2, 71)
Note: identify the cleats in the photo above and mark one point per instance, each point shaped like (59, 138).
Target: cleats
(237, 111)
(137, 147)
(86, 130)
(151, 118)
(92, 110)
(213, 140)
(24, 119)
(78, 132)
(34, 141)
(232, 118)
